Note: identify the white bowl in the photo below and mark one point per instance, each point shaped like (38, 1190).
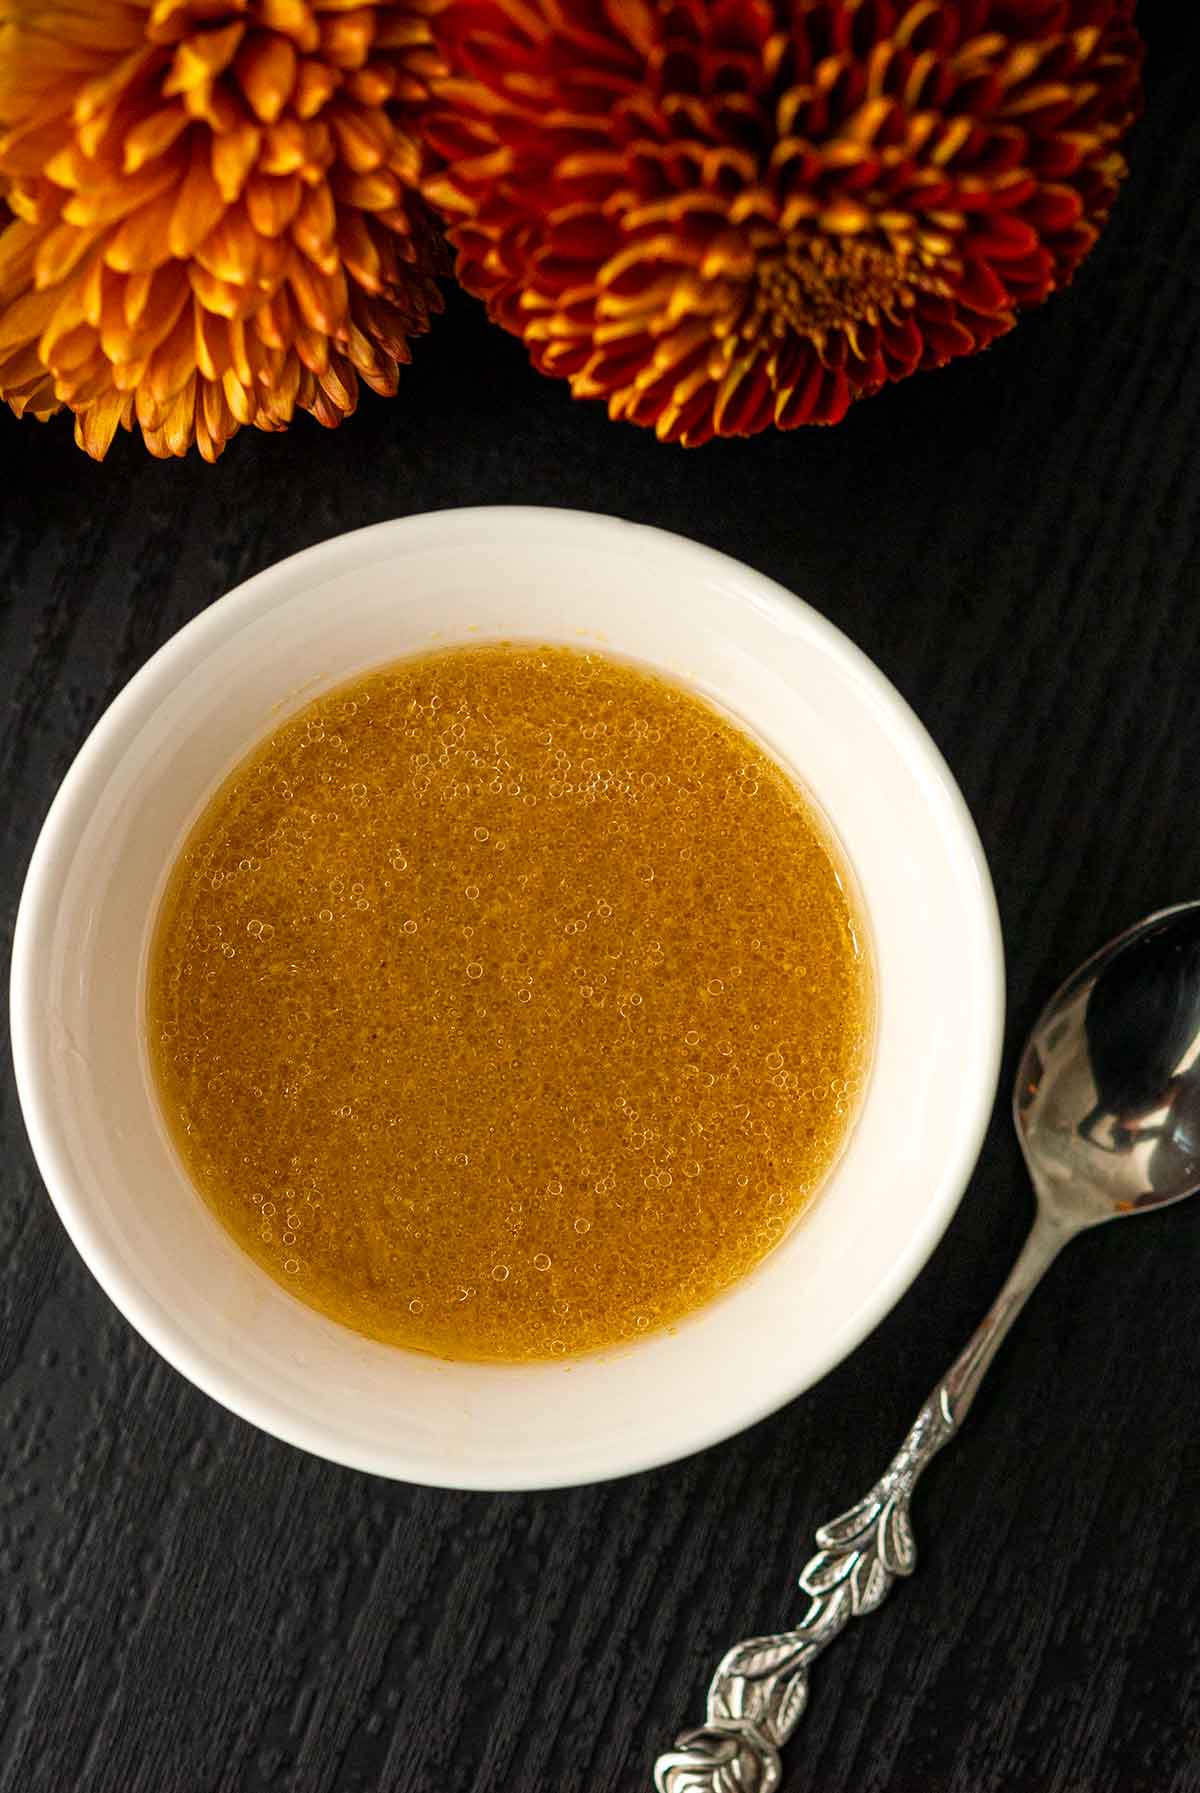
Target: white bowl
(166, 743)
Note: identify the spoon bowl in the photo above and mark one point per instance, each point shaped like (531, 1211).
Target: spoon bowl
(1107, 1096)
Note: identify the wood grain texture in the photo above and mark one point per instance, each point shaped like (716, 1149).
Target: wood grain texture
(187, 1605)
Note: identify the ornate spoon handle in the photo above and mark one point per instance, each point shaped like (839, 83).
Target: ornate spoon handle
(760, 1689)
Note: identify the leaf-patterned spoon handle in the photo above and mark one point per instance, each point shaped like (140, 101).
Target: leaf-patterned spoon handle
(760, 1689)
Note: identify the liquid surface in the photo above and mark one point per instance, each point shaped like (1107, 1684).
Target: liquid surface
(508, 1003)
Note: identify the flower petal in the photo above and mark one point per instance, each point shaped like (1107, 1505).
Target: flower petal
(272, 202)
(152, 135)
(142, 241)
(96, 427)
(199, 206)
(233, 156)
(266, 73)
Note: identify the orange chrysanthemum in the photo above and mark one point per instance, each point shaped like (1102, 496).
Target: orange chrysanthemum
(721, 214)
(215, 216)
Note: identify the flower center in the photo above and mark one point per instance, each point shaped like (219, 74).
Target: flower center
(820, 283)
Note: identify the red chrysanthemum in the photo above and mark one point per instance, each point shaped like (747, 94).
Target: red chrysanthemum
(721, 214)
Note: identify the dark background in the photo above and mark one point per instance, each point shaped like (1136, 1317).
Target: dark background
(187, 1604)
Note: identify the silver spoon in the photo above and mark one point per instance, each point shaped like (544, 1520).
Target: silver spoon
(1107, 1110)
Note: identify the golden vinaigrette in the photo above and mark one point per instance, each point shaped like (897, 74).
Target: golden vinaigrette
(509, 1002)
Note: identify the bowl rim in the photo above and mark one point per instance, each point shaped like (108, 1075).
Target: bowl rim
(102, 750)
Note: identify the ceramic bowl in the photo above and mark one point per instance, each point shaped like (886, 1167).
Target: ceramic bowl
(166, 743)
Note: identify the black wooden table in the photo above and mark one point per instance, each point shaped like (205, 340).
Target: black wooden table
(188, 1605)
